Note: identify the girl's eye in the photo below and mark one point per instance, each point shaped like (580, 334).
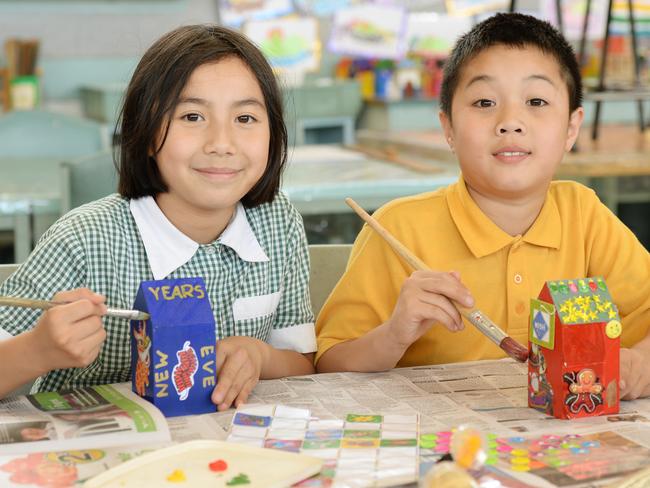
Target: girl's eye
(245, 119)
(484, 103)
(537, 102)
(192, 117)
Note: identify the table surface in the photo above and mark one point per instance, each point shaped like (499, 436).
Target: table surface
(620, 151)
(490, 396)
(319, 178)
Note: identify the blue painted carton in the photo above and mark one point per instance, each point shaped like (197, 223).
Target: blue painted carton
(173, 353)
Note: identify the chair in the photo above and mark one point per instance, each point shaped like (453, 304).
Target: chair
(6, 270)
(328, 262)
(86, 179)
(33, 134)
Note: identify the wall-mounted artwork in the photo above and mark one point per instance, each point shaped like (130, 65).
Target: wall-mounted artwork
(573, 14)
(289, 44)
(234, 13)
(433, 35)
(373, 31)
(620, 17)
(473, 7)
(322, 8)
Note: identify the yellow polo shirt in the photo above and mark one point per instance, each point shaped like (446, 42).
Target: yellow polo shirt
(574, 236)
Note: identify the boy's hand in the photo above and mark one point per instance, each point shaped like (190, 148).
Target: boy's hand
(239, 365)
(70, 335)
(425, 299)
(635, 380)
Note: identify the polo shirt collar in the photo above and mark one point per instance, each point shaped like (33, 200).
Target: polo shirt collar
(484, 237)
(168, 248)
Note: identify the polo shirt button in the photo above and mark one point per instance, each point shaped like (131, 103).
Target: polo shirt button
(210, 250)
(518, 278)
(520, 308)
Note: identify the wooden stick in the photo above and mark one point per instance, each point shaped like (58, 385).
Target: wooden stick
(46, 305)
(392, 156)
(477, 318)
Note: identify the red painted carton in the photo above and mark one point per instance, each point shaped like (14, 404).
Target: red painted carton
(574, 341)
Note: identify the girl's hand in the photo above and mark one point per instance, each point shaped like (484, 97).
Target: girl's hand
(635, 380)
(239, 365)
(70, 335)
(425, 299)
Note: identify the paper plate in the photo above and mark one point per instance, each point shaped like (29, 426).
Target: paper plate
(209, 464)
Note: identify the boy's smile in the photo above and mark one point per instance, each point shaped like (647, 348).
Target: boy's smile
(510, 123)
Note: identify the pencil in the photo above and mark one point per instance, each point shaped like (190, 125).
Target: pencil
(477, 318)
(45, 305)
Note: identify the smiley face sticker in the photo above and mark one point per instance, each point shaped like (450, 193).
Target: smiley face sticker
(613, 329)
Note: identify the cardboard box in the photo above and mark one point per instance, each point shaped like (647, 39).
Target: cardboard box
(574, 339)
(173, 354)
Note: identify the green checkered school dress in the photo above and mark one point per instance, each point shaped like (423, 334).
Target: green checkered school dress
(98, 246)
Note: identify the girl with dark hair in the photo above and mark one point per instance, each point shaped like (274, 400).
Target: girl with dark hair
(203, 146)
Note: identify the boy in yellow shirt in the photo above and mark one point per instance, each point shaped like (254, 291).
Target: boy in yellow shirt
(510, 109)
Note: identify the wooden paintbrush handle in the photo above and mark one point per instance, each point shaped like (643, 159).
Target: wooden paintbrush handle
(397, 246)
(477, 318)
(415, 262)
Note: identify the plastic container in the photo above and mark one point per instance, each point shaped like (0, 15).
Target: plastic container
(204, 463)
(102, 102)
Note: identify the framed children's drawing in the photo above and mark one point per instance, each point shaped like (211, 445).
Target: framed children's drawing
(372, 31)
(290, 44)
(473, 7)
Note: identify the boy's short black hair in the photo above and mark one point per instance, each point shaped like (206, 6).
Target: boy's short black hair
(513, 30)
(153, 94)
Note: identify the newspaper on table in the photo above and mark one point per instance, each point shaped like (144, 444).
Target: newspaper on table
(83, 418)
(64, 438)
(488, 395)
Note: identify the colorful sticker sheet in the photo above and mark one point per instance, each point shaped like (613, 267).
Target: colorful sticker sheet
(362, 450)
(563, 460)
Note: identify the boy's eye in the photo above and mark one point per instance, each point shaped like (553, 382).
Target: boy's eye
(245, 119)
(192, 117)
(484, 103)
(537, 102)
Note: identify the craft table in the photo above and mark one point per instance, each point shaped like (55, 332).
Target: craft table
(490, 396)
(319, 178)
(618, 167)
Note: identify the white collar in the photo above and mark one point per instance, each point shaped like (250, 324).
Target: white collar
(168, 248)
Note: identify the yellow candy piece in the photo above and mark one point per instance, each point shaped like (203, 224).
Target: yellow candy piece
(177, 476)
(520, 460)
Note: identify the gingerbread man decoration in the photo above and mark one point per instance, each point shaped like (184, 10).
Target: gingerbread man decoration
(585, 391)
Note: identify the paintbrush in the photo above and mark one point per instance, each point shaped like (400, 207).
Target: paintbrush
(477, 318)
(45, 305)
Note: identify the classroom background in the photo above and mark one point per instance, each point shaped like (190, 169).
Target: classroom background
(361, 81)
